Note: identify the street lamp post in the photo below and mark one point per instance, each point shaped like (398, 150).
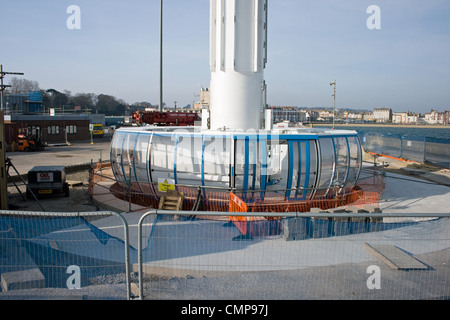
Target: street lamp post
(334, 100)
(161, 57)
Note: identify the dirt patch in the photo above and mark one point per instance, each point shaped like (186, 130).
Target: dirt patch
(407, 168)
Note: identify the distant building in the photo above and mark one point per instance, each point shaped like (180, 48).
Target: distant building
(204, 100)
(325, 115)
(433, 117)
(382, 115)
(30, 103)
(413, 118)
(23, 114)
(352, 116)
(291, 114)
(368, 117)
(311, 115)
(50, 129)
(400, 117)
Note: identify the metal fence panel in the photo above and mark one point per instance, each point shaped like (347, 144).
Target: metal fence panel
(414, 148)
(306, 256)
(58, 252)
(437, 153)
(390, 145)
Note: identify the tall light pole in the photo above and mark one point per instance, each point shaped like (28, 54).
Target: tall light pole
(334, 100)
(3, 180)
(161, 56)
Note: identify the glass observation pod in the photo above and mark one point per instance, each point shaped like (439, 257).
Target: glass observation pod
(295, 163)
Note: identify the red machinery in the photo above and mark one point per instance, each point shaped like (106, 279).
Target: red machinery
(165, 118)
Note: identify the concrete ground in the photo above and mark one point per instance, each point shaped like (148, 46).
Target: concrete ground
(76, 154)
(77, 157)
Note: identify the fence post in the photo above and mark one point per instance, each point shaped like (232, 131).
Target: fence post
(127, 252)
(140, 267)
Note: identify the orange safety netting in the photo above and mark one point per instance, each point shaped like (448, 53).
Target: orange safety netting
(367, 192)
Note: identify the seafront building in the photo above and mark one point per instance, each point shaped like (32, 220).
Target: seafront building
(382, 115)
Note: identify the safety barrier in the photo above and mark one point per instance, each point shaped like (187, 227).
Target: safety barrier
(406, 147)
(317, 256)
(56, 252)
(179, 256)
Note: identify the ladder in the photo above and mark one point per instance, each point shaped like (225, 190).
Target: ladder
(173, 200)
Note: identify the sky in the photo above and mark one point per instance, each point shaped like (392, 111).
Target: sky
(403, 65)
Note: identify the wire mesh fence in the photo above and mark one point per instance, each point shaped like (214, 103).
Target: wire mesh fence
(296, 256)
(204, 255)
(414, 148)
(62, 251)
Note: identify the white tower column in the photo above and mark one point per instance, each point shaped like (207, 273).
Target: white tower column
(238, 55)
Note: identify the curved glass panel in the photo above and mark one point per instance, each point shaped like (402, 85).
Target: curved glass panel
(188, 160)
(342, 160)
(162, 157)
(141, 164)
(327, 166)
(277, 165)
(116, 155)
(311, 168)
(355, 160)
(216, 161)
(302, 169)
(128, 151)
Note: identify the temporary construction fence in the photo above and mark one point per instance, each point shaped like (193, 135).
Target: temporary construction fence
(412, 148)
(316, 256)
(182, 256)
(63, 251)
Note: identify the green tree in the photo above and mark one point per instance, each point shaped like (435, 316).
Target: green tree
(57, 99)
(108, 105)
(84, 100)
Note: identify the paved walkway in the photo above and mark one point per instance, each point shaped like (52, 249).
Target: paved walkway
(75, 154)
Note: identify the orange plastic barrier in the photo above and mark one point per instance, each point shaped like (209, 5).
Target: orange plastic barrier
(237, 205)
